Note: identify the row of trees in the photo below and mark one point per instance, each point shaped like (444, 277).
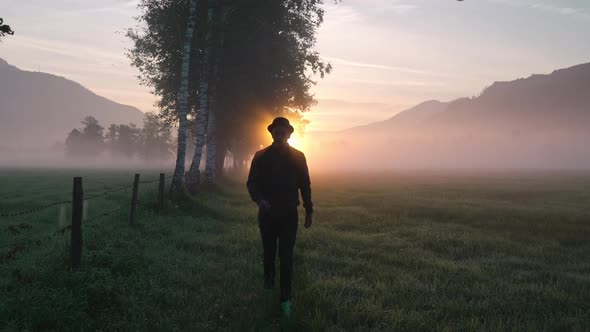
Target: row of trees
(226, 68)
(152, 143)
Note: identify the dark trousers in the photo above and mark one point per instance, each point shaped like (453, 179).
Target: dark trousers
(281, 226)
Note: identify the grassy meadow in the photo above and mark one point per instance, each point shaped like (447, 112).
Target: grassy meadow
(390, 251)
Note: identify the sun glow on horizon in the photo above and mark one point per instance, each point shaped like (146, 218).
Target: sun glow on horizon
(295, 142)
(298, 141)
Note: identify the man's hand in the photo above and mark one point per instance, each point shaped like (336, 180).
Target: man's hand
(308, 220)
(264, 205)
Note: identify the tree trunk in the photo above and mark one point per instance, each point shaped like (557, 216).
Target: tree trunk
(210, 168)
(203, 111)
(239, 157)
(176, 185)
(221, 155)
(213, 166)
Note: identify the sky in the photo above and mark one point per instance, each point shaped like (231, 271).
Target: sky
(388, 55)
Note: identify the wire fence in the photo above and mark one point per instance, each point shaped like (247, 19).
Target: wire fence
(32, 210)
(81, 203)
(86, 198)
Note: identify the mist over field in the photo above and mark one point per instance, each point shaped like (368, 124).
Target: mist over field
(540, 122)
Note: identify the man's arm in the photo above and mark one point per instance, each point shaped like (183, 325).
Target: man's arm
(253, 183)
(305, 186)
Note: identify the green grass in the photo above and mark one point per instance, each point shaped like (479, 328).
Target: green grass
(389, 251)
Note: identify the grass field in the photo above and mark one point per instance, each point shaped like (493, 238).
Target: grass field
(389, 251)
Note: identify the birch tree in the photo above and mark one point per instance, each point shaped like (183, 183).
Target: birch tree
(211, 167)
(265, 67)
(203, 110)
(176, 186)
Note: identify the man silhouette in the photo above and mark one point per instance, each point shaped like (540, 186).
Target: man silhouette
(277, 174)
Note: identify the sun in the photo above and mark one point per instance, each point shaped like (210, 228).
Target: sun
(295, 142)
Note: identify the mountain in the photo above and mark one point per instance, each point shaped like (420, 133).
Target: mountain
(38, 109)
(560, 100)
(542, 121)
(349, 111)
(408, 118)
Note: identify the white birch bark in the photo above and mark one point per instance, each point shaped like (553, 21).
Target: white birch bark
(183, 100)
(202, 113)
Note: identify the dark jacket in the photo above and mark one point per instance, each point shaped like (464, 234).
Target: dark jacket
(277, 174)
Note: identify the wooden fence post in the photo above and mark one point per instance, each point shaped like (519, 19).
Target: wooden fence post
(61, 219)
(161, 192)
(134, 200)
(76, 241)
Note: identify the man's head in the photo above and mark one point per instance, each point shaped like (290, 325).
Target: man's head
(281, 130)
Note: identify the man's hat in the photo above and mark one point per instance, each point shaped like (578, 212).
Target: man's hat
(280, 121)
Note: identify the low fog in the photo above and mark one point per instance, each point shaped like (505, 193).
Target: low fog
(451, 149)
(540, 122)
(524, 145)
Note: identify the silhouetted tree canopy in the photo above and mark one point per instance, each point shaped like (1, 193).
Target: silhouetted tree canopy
(124, 140)
(85, 142)
(265, 62)
(157, 52)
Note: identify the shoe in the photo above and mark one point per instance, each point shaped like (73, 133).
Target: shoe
(286, 308)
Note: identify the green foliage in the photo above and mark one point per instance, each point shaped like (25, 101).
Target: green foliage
(404, 251)
(264, 57)
(157, 52)
(267, 67)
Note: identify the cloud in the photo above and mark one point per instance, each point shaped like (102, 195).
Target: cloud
(395, 6)
(343, 62)
(581, 13)
(120, 8)
(72, 50)
(75, 8)
(567, 11)
(351, 11)
(340, 14)
(399, 83)
(401, 8)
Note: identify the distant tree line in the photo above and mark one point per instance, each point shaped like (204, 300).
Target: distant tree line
(152, 143)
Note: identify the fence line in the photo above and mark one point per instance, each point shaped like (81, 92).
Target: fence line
(102, 215)
(78, 203)
(33, 210)
(122, 188)
(93, 196)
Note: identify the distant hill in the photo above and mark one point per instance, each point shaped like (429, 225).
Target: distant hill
(329, 109)
(408, 118)
(542, 121)
(39, 109)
